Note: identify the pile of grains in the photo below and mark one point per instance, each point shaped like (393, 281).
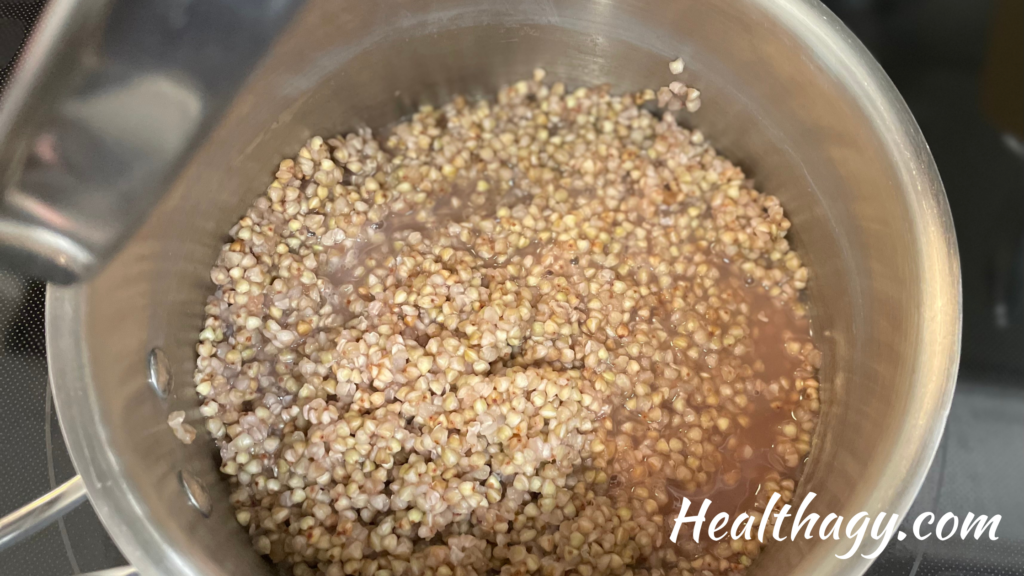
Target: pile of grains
(508, 339)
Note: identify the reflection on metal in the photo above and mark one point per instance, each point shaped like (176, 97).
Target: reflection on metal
(36, 515)
(196, 491)
(119, 571)
(110, 99)
(160, 377)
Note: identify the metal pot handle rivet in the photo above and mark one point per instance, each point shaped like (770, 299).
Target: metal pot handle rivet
(160, 372)
(196, 491)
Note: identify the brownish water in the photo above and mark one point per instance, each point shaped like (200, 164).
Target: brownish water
(737, 482)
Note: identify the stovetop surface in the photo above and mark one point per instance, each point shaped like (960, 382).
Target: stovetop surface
(32, 447)
(935, 52)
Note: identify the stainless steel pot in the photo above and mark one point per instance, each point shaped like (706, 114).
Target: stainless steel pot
(787, 91)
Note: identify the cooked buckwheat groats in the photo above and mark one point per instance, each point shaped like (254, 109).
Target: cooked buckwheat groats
(508, 338)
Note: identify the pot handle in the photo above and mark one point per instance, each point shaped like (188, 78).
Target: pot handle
(109, 100)
(40, 513)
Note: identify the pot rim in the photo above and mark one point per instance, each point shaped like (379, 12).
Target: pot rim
(938, 325)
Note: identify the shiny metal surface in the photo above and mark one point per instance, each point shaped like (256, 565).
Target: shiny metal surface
(196, 492)
(110, 98)
(787, 92)
(159, 372)
(121, 571)
(39, 513)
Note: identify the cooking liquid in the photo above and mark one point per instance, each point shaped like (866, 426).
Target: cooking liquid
(737, 482)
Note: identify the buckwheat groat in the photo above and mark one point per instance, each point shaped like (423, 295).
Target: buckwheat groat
(508, 339)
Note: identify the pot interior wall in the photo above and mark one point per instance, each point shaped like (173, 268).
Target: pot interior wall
(785, 106)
